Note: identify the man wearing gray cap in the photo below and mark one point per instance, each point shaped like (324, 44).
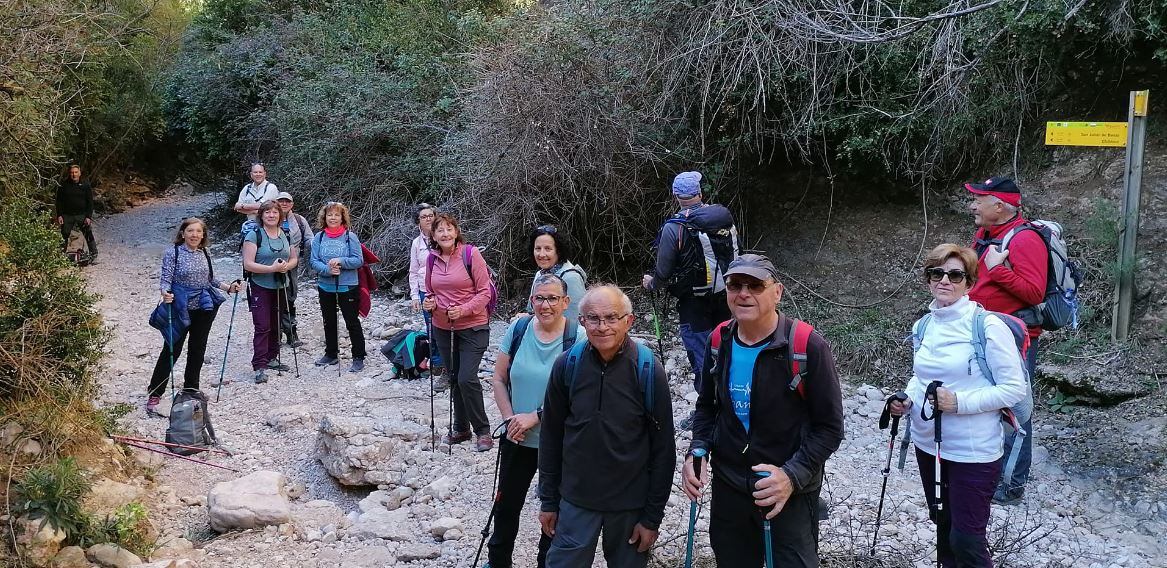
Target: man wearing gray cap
(299, 232)
(693, 249)
(769, 413)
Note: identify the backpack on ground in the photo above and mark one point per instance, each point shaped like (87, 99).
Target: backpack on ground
(467, 261)
(1019, 413)
(645, 374)
(796, 339)
(190, 423)
(1059, 306)
(703, 255)
(406, 350)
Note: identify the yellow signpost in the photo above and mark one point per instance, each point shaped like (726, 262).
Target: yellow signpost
(1106, 134)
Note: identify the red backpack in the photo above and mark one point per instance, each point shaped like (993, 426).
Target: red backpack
(797, 340)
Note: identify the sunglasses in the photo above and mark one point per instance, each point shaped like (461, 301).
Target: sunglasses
(937, 274)
(546, 229)
(754, 286)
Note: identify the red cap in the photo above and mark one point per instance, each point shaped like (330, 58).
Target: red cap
(1002, 188)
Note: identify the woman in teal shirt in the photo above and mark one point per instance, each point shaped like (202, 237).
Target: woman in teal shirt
(268, 255)
(520, 382)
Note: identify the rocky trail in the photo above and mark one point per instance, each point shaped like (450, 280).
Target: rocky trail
(421, 508)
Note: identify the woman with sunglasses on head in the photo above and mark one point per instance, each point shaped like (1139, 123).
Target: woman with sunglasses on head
(458, 285)
(268, 256)
(968, 405)
(419, 251)
(552, 252)
(188, 276)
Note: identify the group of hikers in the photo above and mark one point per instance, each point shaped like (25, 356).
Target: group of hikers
(589, 408)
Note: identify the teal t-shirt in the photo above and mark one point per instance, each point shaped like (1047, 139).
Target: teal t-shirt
(531, 369)
(741, 378)
(266, 252)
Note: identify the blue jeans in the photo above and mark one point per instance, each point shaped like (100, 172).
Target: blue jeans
(1015, 486)
(695, 342)
(435, 357)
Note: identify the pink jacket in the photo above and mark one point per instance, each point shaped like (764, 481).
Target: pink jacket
(451, 285)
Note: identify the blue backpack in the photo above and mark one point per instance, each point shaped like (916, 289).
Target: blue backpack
(645, 374)
(569, 332)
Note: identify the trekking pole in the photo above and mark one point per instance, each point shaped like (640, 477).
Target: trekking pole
(895, 428)
(450, 387)
(698, 455)
(279, 278)
(497, 434)
(766, 526)
(170, 341)
(288, 309)
(429, 329)
(168, 444)
(169, 454)
(227, 347)
(938, 507)
(336, 295)
(660, 342)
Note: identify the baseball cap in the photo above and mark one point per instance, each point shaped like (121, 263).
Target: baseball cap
(754, 265)
(687, 184)
(1001, 187)
(285, 195)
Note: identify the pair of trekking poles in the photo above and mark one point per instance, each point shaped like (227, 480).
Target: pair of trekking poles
(699, 455)
(937, 505)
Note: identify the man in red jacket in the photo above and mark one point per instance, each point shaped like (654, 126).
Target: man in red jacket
(1010, 279)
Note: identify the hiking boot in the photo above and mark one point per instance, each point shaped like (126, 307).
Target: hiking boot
(260, 377)
(484, 443)
(1002, 497)
(152, 404)
(277, 366)
(456, 438)
(357, 366)
(326, 361)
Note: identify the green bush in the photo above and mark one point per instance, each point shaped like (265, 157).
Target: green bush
(52, 493)
(128, 527)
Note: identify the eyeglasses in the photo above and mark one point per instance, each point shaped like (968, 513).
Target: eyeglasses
(595, 321)
(426, 216)
(755, 286)
(937, 274)
(548, 300)
(548, 229)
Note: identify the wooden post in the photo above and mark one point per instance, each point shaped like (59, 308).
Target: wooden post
(1128, 230)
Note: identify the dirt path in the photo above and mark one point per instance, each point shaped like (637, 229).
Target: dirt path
(1064, 521)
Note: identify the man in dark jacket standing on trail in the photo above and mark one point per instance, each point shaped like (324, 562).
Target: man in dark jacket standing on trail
(1010, 279)
(605, 461)
(75, 209)
(753, 416)
(700, 296)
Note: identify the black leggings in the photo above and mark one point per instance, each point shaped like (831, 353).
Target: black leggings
(518, 466)
(348, 309)
(199, 331)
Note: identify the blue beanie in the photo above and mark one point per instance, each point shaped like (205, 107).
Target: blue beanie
(687, 185)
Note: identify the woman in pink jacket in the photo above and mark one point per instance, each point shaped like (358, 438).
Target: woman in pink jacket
(458, 285)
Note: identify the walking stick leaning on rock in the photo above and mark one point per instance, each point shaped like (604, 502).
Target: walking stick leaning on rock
(895, 428)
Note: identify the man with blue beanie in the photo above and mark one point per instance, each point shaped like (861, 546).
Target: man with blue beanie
(694, 248)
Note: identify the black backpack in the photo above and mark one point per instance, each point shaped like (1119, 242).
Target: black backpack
(405, 351)
(190, 424)
(703, 255)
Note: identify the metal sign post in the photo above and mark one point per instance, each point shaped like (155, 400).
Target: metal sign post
(1128, 229)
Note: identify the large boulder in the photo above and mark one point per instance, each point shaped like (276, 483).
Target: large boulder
(357, 451)
(1095, 386)
(71, 557)
(255, 500)
(38, 545)
(289, 417)
(111, 556)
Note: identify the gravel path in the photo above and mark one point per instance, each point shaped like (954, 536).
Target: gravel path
(1064, 521)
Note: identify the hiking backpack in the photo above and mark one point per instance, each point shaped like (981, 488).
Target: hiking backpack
(467, 261)
(796, 340)
(1019, 413)
(1059, 306)
(190, 423)
(703, 255)
(645, 374)
(406, 350)
(569, 334)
